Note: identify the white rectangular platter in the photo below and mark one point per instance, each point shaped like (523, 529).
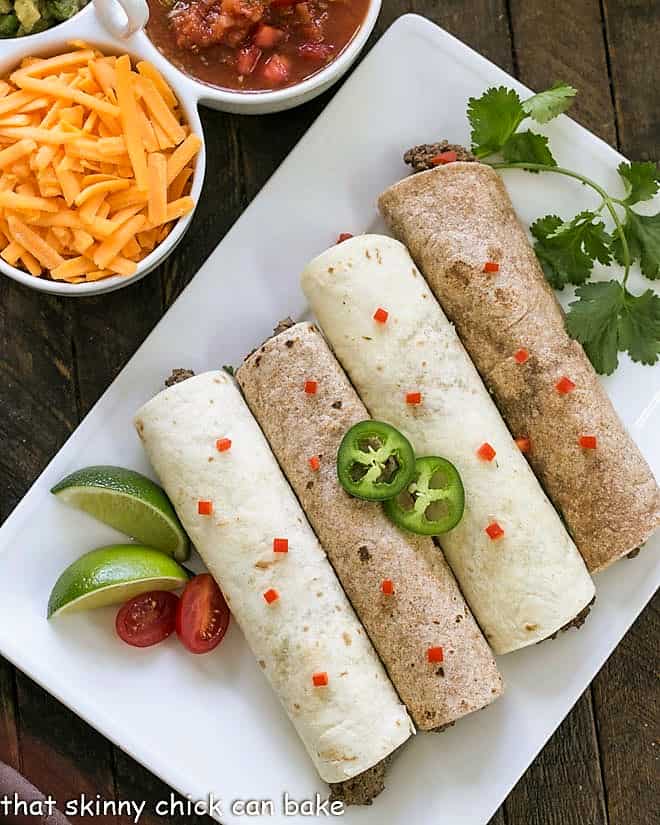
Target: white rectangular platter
(211, 724)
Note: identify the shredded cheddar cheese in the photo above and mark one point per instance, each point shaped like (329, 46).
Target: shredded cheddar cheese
(96, 161)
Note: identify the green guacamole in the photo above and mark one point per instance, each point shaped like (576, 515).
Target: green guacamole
(20, 17)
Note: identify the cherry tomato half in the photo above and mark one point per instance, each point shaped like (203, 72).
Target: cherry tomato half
(202, 617)
(147, 619)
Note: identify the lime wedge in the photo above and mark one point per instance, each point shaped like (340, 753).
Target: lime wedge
(129, 502)
(112, 575)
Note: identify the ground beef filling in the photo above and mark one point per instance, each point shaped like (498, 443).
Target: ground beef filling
(420, 158)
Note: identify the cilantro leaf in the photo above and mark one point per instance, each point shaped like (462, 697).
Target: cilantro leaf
(567, 250)
(639, 327)
(643, 235)
(592, 320)
(607, 319)
(229, 369)
(529, 147)
(641, 179)
(494, 117)
(546, 105)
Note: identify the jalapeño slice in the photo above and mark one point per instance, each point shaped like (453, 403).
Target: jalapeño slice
(375, 461)
(432, 502)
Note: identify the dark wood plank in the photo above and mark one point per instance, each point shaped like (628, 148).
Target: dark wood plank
(8, 730)
(627, 691)
(482, 24)
(633, 33)
(627, 704)
(555, 40)
(38, 410)
(60, 754)
(37, 402)
(106, 331)
(136, 783)
(563, 785)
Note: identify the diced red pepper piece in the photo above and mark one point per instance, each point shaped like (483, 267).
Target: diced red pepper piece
(521, 355)
(444, 157)
(486, 452)
(345, 236)
(588, 442)
(491, 266)
(564, 385)
(381, 315)
(204, 508)
(435, 655)
(247, 60)
(315, 51)
(524, 444)
(311, 387)
(413, 398)
(315, 463)
(276, 69)
(320, 679)
(387, 587)
(494, 531)
(267, 37)
(223, 444)
(280, 545)
(271, 596)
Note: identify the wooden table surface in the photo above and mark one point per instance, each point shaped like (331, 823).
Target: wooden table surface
(58, 355)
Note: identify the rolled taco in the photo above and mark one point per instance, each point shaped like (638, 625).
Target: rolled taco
(426, 608)
(274, 574)
(456, 218)
(524, 580)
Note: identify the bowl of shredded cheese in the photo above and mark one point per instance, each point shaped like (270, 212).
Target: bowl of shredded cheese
(101, 162)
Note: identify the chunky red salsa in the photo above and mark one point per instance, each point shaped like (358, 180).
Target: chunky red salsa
(253, 45)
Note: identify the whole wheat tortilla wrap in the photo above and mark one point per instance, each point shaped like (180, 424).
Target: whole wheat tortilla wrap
(454, 219)
(356, 720)
(530, 582)
(365, 548)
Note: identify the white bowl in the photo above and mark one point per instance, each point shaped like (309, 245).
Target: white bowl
(116, 26)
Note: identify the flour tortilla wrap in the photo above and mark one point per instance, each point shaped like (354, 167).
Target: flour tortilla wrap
(455, 218)
(357, 720)
(427, 608)
(524, 586)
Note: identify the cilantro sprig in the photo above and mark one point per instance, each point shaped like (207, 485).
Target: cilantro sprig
(607, 318)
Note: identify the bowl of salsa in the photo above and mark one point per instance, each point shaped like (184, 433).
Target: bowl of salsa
(261, 55)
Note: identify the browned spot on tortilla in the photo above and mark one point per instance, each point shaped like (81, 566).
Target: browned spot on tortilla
(336, 405)
(289, 343)
(211, 458)
(335, 755)
(531, 627)
(364, 553)
(347, 639)
(262, 664)
(262, 564)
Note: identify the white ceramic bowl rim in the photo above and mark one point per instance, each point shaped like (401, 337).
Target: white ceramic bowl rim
(87, 25)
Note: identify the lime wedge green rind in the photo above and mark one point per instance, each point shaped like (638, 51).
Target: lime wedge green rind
(112, 575)
(128, 501)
